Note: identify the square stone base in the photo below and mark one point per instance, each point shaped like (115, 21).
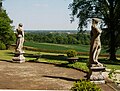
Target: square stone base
(96, 75)
(18, 58)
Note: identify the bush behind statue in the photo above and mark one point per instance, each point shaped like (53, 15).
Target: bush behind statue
(71, 53)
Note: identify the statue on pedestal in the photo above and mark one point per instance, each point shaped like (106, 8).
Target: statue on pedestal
(19, 45)
(95, 68)
(95, 43)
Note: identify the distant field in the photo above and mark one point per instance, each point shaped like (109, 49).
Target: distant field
(50, 46)
(62, 47)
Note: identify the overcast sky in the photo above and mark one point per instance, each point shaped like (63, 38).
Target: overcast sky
(40, 14)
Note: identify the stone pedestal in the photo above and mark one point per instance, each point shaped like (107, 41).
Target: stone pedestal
(96, 75)
(19, 57)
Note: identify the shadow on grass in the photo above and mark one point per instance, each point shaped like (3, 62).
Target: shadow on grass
(6, 60)
(54, 57)
(50, 57)
(25, 54)
(64, 58)
(63, 78)
(10, 53)
(31, 55)
(106, 61)
(84, 60)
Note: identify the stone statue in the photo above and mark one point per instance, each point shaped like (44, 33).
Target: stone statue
(19, 57)
(96, 69)
(95, 44)
(20, 38)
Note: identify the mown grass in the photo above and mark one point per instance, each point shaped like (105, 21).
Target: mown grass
(62, 47)
(56, 59)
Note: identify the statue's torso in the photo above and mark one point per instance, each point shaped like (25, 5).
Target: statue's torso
(19, 32)
(95, 35)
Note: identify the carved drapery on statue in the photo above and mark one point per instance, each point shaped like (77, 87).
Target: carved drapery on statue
(95, 44)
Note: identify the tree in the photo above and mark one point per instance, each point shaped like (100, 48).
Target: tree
(107, 11)
(6, 30)
(0, 5)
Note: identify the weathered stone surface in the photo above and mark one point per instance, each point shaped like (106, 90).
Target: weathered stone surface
(96, 75)
(19, 58)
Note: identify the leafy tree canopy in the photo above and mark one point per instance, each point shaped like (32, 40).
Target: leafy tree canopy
(6, 30)
(107, 11)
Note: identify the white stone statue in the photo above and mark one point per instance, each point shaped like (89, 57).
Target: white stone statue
(20, 38)
(95, 44)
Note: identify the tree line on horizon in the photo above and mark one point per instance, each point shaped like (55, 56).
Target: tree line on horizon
(58, 38)
(62, 38)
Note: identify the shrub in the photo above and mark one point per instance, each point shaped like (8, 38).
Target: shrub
(2, 46)
(84, 85)
(71, 53)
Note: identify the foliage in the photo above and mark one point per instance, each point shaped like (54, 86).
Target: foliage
(58, 38)
(84, 85)
(108, 12)
(113, 75)
(6, 30)
(2, 46)
(71, 53)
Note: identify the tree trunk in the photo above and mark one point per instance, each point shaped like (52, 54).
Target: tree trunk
(112, 54)
(112, 46)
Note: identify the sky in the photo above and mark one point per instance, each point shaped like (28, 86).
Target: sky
(40, 14)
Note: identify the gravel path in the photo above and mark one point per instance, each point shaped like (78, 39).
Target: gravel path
(37, 76)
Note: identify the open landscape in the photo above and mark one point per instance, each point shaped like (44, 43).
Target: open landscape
(68, 45)
(49, 55)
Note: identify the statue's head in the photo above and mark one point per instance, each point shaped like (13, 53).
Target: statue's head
(20, 24)
(95, 20)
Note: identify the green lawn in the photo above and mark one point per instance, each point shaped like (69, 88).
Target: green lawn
(57, 59)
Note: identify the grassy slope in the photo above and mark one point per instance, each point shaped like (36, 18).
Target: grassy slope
(50, 46)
